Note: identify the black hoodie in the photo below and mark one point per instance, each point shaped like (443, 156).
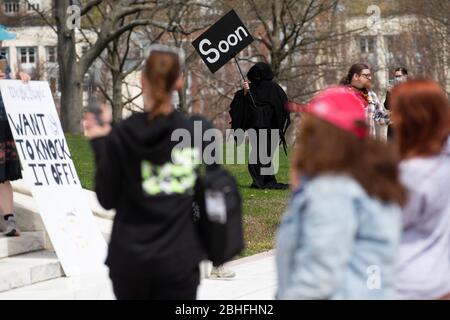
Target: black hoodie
(153, 230)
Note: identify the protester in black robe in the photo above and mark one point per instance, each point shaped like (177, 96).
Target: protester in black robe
(267, 112)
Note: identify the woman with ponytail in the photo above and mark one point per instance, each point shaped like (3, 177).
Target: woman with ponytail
(155, 249)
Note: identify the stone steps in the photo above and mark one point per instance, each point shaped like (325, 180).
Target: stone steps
(28, 241)
(25, 210)
(88, 287)
(29, 261)
(27, 269)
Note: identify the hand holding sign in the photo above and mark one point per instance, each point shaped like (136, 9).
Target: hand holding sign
(246, 87)
(24, 77)
(230, 36)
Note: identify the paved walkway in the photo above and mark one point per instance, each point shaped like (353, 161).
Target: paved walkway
(255, 280)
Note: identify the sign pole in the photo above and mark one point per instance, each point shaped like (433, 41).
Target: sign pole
(243, 78)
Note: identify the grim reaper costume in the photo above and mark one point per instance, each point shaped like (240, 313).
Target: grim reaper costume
(267, 110)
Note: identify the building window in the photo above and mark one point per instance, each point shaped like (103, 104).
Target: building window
(4, 53)
(51, 54)
(33, 7)
(27, 55)
(367, 44)
(12, 6)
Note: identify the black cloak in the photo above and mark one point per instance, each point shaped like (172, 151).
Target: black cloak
(265, 92)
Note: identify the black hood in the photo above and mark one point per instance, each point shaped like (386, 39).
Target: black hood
(150, 139)
(260, 72)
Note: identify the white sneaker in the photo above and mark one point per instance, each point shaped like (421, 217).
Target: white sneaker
(11, 229)
(221, 272)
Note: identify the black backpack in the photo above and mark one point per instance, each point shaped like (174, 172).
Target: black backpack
(218, 211)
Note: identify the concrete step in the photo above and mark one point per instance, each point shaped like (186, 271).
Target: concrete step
(27, 269)
(27, 242)
(29, 261)
(95, 286)
(25, 209)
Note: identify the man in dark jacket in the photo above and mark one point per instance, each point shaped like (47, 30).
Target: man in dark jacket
(261, 106)
(401, 76)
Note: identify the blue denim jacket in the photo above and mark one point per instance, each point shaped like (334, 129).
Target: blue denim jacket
(336, 242)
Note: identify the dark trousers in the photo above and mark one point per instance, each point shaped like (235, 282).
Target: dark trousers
(258, 161)
(180, 287)
(390, 133)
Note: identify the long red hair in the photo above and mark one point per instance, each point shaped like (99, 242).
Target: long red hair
(421, 117)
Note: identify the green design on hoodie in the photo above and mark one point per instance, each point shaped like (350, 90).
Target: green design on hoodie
(176, 177)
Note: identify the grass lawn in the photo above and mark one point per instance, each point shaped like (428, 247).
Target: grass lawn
(262, 208)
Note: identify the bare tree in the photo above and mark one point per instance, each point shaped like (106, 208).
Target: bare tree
(109, 20)
(72, 70)
(177, 29)
(123, 58)
(290, 35)
(431, 38)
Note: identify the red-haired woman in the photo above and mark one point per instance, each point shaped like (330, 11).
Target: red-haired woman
(421, 118)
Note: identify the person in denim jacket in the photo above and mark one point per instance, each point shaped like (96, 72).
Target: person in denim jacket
(339, 236)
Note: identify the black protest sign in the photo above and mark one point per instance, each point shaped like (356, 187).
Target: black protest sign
(223, 41)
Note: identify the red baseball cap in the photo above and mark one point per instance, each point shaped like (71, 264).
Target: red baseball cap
(340, 107)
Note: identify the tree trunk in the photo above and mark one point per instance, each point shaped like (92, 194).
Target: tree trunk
(117, 78)
(71, 102)
(69, 72)
(117, 97)
(183, 100)
(276, 64)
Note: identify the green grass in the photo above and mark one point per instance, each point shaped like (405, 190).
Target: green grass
(262, 208)
(83, 159)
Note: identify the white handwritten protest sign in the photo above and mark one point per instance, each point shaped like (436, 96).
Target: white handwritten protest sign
(49, 170)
